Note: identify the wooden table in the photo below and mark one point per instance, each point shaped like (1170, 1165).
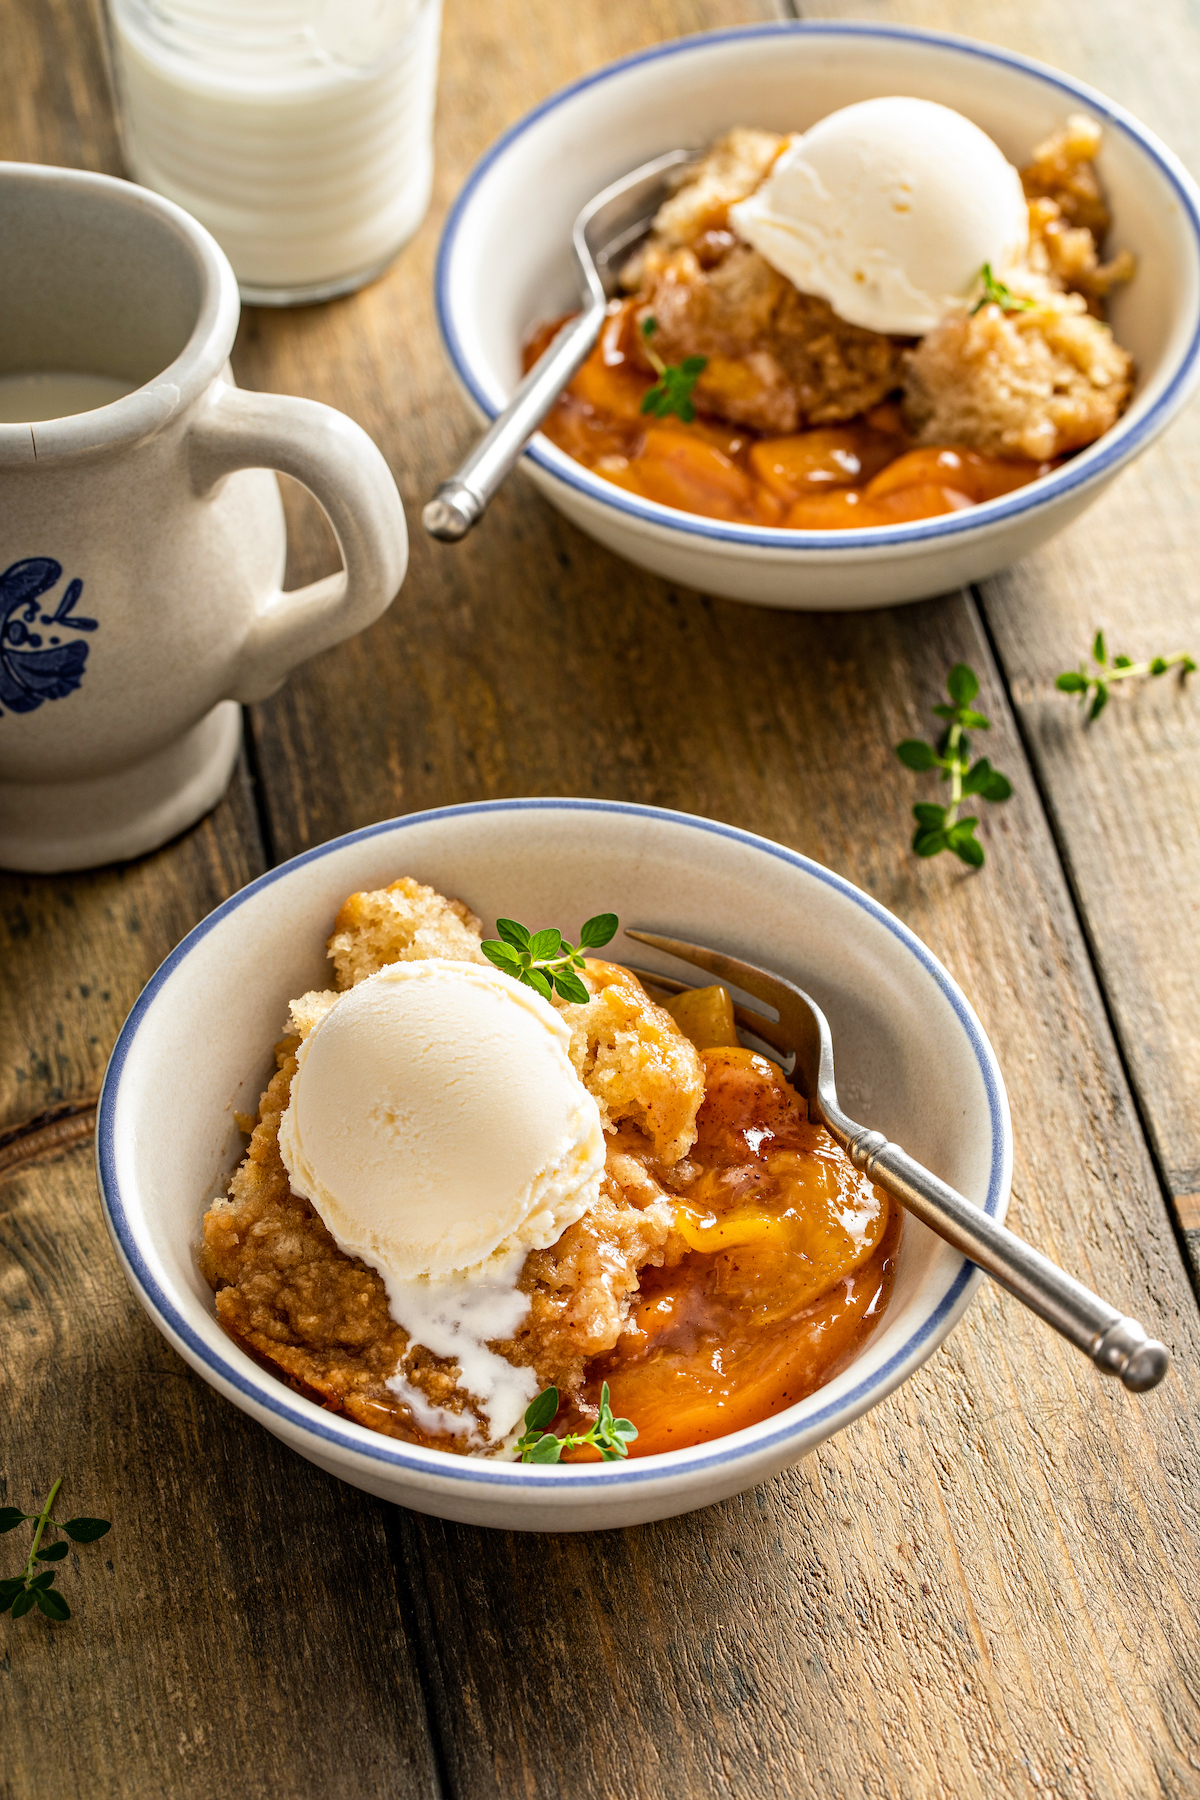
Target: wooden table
(989, 1586)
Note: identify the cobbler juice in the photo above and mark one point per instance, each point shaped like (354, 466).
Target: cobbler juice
(791, 1261)
(829, 478)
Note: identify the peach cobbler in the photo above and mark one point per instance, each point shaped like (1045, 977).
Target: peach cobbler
(464, 1189)
(877, 322)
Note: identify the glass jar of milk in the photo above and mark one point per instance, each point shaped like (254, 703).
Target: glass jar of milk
(300, 132)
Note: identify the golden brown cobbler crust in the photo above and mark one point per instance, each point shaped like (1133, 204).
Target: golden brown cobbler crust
(320, 1319)
(1035, 384)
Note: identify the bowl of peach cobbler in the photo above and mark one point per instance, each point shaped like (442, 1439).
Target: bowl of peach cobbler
(907, 309)
(406, 1161)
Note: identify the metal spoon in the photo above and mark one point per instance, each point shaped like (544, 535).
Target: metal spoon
(603, 234)
(1117, 1345)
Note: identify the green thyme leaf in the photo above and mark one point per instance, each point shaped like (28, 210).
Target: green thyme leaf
(997, 787)
(535, 979)
(611, 1437)
(514, 934)
(915, 754)
(543, 960)
(987, 782)
(997, 293)
(503, 955)
(965, 844)
(672, 392)
(86, 1531)
(20, 1593)
(599, 931)
(1094, 689)
(962, 684)
(649, 326)
(540, 1412)
(939, 828)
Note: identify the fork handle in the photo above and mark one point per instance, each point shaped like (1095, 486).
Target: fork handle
(1117, 1345)
(461, 501)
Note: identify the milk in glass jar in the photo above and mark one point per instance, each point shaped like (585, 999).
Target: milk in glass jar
(298, 131)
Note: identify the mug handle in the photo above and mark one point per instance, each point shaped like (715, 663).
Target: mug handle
(346, 474)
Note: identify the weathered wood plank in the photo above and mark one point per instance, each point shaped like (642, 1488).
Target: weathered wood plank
(239, 1632)
(75, 950)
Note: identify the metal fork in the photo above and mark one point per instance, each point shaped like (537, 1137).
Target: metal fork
(602, 236)
(1117, 1345)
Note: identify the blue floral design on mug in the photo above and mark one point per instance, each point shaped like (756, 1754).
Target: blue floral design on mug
(34, 668)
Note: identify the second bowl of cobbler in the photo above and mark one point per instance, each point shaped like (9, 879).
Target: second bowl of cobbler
(751, 422)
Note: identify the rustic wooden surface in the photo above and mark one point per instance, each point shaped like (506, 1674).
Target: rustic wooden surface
(990, 1585)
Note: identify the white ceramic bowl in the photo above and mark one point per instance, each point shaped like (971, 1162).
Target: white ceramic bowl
(165, 1146)
(505, 264)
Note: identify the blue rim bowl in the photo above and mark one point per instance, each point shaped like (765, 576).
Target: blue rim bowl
(591, 131)
(163, 1148)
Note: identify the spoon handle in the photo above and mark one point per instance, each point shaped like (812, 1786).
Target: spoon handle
(1117, 1345)
(461, 501)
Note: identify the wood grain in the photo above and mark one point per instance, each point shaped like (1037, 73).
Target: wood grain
(76, 950)
(990, 1585)
(239, 1632)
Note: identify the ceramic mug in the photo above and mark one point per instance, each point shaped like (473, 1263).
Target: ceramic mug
(142, 545)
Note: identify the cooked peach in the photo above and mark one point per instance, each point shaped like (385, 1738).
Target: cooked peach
(831, 456)
(683, 471)
(968, 472)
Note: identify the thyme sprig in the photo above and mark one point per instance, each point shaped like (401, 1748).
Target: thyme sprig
(939, 827)
(672, 392)
(611, 1437)
(21, 1593)
(543, 960)
(998, 293)
(1093, 685)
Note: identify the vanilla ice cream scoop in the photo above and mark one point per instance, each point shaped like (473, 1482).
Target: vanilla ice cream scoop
(435, 1119)
(889, 210)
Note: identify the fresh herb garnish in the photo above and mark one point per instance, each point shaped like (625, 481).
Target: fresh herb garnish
(996, 293)
(672, 392)
(1095, 683)
(21, 1593)
(543, 960)
(939, 827)
(611, 1437)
